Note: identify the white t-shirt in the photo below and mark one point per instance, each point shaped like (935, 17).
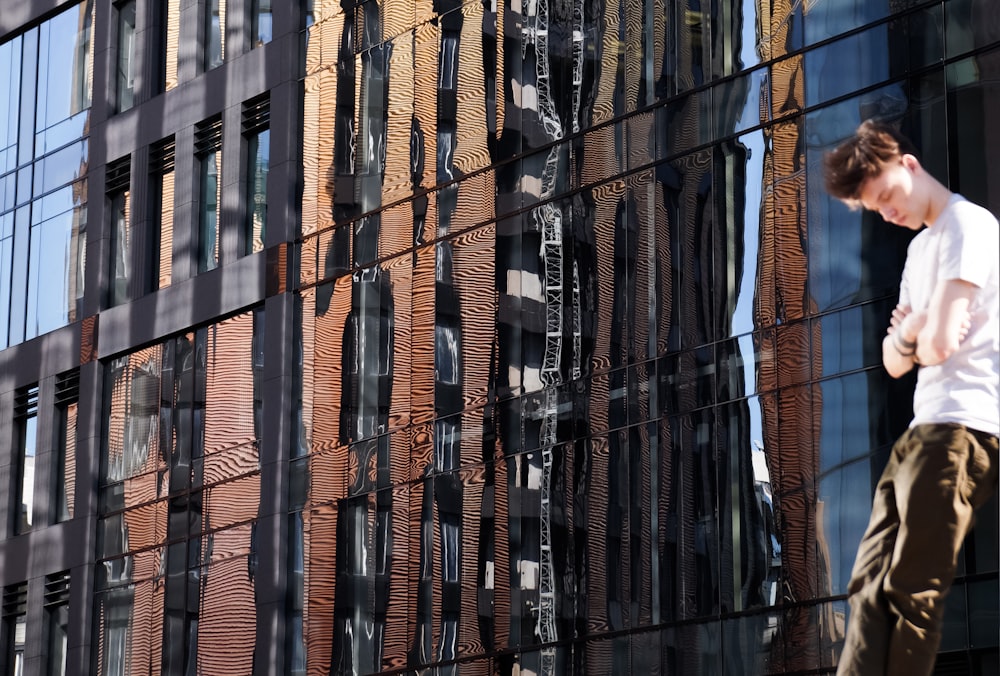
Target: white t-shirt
(963, 243)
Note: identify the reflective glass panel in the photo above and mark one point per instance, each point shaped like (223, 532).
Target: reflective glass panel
(970, 93)
(583, 341)
(57, 618)
(162, 199)
(169, 54)
(60, 168)
(56, 266)
(183, 421)
(215, 33)
(968, 26)
(857, 61)
(66, 478)
(258, 161)
(126, 55)
(853, 256)
(65, 77)
(211, 210)
(27, 446)
(121, 258)
(848, 491)
(10, 76)
(262, 22)
(6, 268)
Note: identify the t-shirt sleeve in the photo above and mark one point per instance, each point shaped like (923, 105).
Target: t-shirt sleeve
(969, 246)
(904, 288)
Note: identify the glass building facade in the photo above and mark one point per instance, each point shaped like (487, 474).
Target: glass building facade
(420, 336)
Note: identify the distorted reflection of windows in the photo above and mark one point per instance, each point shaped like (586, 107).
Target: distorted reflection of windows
(208, 150)
(446, 359)
(26, 439)
(126, 55)
(179, 499)
(295, 631)
(633, 397)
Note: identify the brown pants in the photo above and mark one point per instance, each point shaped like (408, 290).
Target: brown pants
(937, 477)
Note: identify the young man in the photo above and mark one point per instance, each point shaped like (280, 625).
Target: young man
(944, 467)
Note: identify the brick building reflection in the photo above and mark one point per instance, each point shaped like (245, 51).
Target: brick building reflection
(792, 418)
(182, 492)
(563, 471)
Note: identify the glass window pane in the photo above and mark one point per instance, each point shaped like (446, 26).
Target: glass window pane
(126, 56)
(58, 632)
(26, 502)
(67, 476)
(211, 210)
(853, 256)
(970, 24)
(55, 282)
(126, 612)
(258, 159)
(846, 495)
(972, 110)
(857, 61)
(168, 49)
(60, 168)
(65, 77)
(26, 446)
(163, 219)
(10, 101)
(215, 33)
(6, 267)
(181, 421)
(133, 443)
(262, 22)
(121, 252)
(18, 638)
(851, 339)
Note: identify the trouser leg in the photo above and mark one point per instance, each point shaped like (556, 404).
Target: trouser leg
(946, 476)
(870, 627)
(923, 507)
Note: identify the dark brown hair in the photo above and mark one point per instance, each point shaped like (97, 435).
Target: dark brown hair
(862, 157)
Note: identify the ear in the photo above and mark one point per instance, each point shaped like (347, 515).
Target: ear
(910, 162)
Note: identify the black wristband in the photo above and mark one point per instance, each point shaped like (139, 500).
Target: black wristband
(899, 344)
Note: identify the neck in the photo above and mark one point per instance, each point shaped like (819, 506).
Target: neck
(939, 196)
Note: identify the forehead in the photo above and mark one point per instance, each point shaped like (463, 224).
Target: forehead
(872, 189)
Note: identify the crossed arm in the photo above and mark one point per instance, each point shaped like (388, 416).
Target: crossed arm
(928, 337)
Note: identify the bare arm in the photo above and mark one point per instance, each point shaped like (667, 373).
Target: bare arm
(931, 336)
(898, 346)
(947, 321)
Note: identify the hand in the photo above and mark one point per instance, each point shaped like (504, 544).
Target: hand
(966, 325)
(907, 322)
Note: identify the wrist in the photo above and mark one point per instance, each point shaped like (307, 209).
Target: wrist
(905, 348)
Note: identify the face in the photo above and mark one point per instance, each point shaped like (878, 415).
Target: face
(894, 196)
